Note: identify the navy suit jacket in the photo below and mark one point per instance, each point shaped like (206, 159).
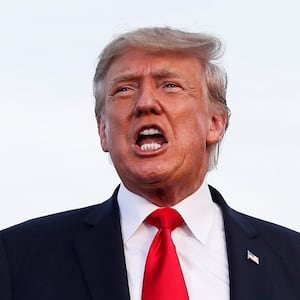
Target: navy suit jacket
(78, 255)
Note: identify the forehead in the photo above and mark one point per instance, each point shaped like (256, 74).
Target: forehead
(142, 62)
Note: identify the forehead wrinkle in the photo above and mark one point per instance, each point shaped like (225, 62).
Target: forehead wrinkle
(131, 74)
(165, 73)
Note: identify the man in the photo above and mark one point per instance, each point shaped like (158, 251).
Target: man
(161, 113)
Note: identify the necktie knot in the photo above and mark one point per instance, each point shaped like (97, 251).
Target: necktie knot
(165, 218)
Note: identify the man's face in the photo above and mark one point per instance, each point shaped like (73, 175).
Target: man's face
(156, 123)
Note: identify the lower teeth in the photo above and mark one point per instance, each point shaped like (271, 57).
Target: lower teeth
(152, 146)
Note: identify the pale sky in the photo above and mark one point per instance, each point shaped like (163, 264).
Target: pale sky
(50, 156)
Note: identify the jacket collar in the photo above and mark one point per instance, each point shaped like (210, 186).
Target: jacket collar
(248, 257)
(101, 255)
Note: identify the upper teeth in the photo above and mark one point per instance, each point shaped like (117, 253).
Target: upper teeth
(150, 131)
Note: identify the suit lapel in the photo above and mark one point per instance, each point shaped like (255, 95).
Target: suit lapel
(248, 259)
(100, 253)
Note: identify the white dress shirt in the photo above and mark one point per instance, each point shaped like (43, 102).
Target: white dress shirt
(200, 243)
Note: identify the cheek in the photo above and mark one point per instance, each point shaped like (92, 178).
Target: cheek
(199, 134)
(192, 139)
(116, 131)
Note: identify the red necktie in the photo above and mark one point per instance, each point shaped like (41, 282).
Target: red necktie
(163, 278)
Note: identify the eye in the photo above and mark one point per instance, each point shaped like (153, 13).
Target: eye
(171, 85)
(123, 89)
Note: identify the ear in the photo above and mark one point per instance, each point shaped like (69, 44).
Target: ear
(217, 128)
(102, 133)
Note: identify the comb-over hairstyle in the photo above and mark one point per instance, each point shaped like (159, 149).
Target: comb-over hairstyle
(207, 48)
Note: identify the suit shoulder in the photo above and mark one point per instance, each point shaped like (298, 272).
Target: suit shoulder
(276, 236)
(251, 224)
(270, 227)
(54, 225)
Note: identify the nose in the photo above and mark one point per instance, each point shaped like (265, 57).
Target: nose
(148, 102)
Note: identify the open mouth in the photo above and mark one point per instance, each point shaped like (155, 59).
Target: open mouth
(150, 139)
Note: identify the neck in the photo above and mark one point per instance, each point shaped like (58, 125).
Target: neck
(166, 196)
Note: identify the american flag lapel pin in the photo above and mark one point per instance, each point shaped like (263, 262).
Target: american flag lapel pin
(252, 257)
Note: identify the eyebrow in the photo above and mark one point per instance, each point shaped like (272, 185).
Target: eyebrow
(129, 75)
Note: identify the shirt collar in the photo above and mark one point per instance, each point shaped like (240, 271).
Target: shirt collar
(198, 211)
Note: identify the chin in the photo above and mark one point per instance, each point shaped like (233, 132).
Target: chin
(157, 180)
